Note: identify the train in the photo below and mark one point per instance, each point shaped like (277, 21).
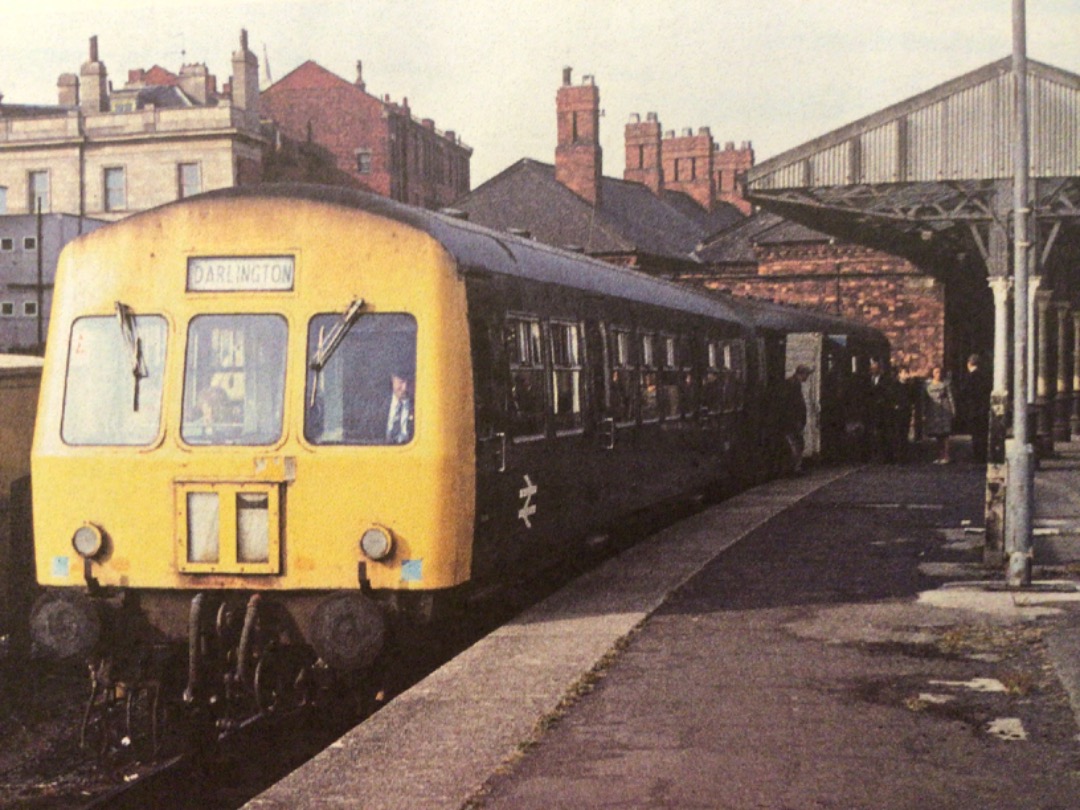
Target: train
(277, 421)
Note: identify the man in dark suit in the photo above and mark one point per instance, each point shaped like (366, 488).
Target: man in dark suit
(974, 406)
(400, 417)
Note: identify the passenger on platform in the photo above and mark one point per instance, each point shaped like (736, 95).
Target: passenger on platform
(973, 401)
(939, 411)
(906, 396)
(793, 415)
(880, 415)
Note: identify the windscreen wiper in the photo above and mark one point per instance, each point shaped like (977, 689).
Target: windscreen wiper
(129, 331)
(329, 342)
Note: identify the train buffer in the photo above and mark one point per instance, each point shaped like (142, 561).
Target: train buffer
(826, 640)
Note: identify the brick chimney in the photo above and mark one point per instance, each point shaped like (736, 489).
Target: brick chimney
(578, 157)
(643, 152)
(94, 95)
(731, 166)
(688, 165)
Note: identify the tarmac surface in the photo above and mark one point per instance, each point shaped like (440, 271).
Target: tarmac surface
(825, 641)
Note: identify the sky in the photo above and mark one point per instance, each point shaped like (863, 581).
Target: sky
(776, 73)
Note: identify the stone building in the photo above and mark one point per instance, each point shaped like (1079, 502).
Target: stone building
(335, 131)
(107, 153)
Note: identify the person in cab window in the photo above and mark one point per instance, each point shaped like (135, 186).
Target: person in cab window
(399, 419)
(212, 404)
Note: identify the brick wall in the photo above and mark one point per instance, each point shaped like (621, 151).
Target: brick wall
(874, 288)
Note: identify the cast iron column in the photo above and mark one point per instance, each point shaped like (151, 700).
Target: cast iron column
(1062, 396)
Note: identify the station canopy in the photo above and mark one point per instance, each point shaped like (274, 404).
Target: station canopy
(927, 177)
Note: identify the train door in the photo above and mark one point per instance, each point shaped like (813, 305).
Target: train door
(807, 349)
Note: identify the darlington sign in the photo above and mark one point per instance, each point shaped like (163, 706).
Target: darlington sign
(241, 274)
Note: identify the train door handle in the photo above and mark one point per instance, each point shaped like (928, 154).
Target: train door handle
(607, 433)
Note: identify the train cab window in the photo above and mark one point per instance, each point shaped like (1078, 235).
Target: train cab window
(623, 405)
(566, 375)
(234, 380)
(364, 394)
(650, 379)
(527, 406)
(112, 395)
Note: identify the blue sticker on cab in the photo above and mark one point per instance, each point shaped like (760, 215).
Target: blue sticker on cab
(60, 567)
(411, 570)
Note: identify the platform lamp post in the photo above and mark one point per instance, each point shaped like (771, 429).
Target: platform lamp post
(1020, 482)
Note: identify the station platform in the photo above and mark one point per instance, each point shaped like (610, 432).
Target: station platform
(825, 641)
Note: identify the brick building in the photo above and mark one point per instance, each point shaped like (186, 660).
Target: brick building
(337, 132)
(637, 221)
(768, 257)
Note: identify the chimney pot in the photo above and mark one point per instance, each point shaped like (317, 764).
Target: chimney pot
(635, 118)
(746, 145)
(587, 79)
(729, 145)
(704, 131)
(566, 71)
(687, 131)
(651, 117)
(93, 48)
(669, 134)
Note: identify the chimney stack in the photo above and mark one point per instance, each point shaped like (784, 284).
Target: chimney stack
(94, 80)
(578, 156)
(644, 162)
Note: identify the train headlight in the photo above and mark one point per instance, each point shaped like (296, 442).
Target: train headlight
(377, 543)
(88, 541)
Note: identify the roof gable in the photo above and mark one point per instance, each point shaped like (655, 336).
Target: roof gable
(311, 76)
(959, 129)
(629, 219)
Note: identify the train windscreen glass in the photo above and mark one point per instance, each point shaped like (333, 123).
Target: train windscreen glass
(234, 380)
(364, 393)
(113, 390)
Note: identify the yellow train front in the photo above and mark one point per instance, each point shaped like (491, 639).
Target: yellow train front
(251, 396)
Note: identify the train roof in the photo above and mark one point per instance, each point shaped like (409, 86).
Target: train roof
(770, 315)
(476, 247)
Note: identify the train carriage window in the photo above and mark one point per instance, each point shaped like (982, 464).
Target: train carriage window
(566, 374)
(676, 378)
(528, 400)
(712, 392)
(735, 363)
(623, 405)
(113, 390)
(365, 393)
(234, 380)
(650, 379)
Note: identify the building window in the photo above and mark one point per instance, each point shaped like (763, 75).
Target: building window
(38, 183)
(188, 179)
(3, 199)
(7, 309)
(7, 244)
(115, 189)
(29, 243)
(29, 308)
(363, 161)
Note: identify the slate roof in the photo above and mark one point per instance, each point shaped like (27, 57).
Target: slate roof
(735, 244)
(629, 219)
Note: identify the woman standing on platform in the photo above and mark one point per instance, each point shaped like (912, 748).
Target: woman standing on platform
(939, 410)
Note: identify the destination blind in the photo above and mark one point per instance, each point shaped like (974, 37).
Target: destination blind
(241, 274)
